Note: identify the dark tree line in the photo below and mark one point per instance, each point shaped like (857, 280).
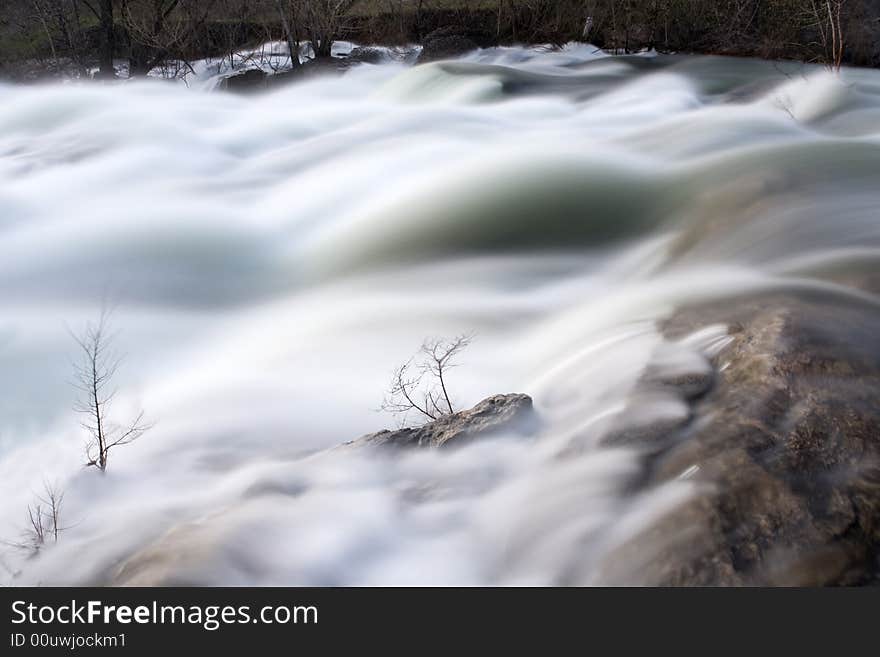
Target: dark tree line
(826, 31)
(87, 35)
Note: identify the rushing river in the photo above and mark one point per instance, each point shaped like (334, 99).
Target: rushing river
(270, 259)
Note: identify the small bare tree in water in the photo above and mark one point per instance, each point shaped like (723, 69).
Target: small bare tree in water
(94, 379)
(43, 520)
(420, 384)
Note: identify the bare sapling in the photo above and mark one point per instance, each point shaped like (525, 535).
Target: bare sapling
(827, 18)
(43, 521)
(420, 384)
(94, 375)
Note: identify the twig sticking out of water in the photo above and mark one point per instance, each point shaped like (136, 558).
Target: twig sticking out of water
(420, 384)
(94, 379)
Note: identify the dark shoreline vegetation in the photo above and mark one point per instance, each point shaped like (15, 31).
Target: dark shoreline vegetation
(42, 39)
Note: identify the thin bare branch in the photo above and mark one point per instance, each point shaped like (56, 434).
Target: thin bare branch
(420, 384)
(93, 378)
(43, 521)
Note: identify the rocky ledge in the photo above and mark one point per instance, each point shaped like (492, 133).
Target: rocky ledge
(493, 416)
(782, 445)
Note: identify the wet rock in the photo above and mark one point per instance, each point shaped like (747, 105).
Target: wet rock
(245, 82)
(498, 414)
(309, 69)
(365, 55)
(255, 80)
(670, 389)
(447, 43)
(784, 454)
(690, 385)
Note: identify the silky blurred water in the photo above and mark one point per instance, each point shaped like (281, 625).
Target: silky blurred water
(270, 259)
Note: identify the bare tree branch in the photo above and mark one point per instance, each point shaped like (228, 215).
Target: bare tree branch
(827, 19)
(420, 384)
(94, 375)
(43, 521)
(53, 499)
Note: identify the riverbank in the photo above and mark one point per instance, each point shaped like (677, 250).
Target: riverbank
(33, 50)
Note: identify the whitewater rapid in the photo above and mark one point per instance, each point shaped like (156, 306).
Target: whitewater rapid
(270, 259)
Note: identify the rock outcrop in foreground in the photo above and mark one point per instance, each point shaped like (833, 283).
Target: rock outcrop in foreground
(783, 443)
(497, 414)
(780, 448)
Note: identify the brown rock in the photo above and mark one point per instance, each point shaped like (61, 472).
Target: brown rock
(498, 414)
(785, 448)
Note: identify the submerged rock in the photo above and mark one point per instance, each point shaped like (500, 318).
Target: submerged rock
(245, 82)
(498, 414)
(255, 80)
(783, 450)
(365, 55)
(690, 385)
(447, 43)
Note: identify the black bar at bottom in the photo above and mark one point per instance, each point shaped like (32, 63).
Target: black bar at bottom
(601, 621)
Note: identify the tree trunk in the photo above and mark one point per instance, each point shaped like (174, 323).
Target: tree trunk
(292, 43)
(108, 41)
(322, 45)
